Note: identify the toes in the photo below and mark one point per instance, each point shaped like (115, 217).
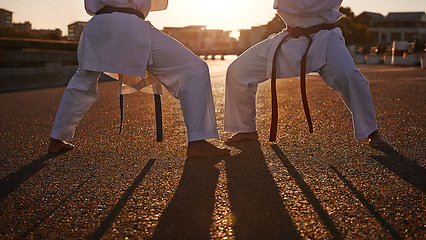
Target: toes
(205, 149)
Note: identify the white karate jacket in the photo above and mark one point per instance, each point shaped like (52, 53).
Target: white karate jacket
(120, 44)
(301, 13)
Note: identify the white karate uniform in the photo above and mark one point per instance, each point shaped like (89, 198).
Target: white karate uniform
(327, 55)
(138, 55)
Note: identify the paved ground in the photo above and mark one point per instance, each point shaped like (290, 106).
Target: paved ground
(305, 186)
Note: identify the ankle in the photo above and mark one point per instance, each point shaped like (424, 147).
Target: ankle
(374, 134)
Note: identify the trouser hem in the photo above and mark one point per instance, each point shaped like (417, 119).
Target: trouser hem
(62, 137)
(202, 135)
(240, 129)
(365, 134)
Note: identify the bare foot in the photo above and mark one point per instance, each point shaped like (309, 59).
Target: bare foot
(242, 136)
(376, 140)
(202, 148)
(56, 146)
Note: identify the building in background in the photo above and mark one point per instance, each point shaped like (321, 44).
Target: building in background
(244, 39)
(249, 37)
(48, 33)
(26, 27)
(204, 41)
(25, 30)
(75, 29)
(396, 26)
(22, 27)
(5, 18)
(194, 37)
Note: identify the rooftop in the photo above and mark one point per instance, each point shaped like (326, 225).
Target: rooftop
(4, 10)
(373, 15)
(406, 16)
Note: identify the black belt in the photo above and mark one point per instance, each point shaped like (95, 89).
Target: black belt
(295, 33)
(110, 9)
(157, 98)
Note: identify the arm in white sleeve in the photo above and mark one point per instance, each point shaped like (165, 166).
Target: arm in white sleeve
(158, 5)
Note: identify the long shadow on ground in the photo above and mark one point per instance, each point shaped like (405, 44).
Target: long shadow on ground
(367, 204)
(10, 183)
(256, 204)
(190, 212)
(108, 221)
(403, 167)
(310, 196)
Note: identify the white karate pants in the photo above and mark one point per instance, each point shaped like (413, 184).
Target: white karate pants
(182, 73)
(339, 73)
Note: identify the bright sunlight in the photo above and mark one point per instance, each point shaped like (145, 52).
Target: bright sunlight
(224, 14)
(216, 6)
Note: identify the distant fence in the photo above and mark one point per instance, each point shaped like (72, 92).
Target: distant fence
(16, 44)
(217, 52)
(31, 64)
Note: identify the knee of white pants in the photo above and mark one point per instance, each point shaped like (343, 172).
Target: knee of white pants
(235, 83)
(343, 78)
(84, 80)
(352, 78)
(234, 70)
(246, 71)
(196, 76)
(199, 68)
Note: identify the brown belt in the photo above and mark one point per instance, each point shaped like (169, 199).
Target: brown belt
(293, 33)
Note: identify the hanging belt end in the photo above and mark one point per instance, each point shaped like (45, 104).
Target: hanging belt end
(273, 135)
(158, 117)
(121, 113)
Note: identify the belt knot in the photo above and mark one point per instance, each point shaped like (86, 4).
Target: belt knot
(296, 32)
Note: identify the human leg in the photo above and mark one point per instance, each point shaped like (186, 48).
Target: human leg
(341, 74)
(79, 96)
(242, 137)
(375, 139)
(56, 145)
(187, 78)
(242, 79)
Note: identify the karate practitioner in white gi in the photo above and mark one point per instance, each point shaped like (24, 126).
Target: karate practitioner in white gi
(138, 55)
(327, 55)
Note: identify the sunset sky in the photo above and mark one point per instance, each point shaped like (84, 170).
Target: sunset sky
(215, 14)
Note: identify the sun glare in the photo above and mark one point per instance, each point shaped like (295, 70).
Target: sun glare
(229, 15)
(216, 14)
(215, 6)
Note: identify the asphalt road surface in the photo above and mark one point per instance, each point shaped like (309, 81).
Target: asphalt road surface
(304, 186)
